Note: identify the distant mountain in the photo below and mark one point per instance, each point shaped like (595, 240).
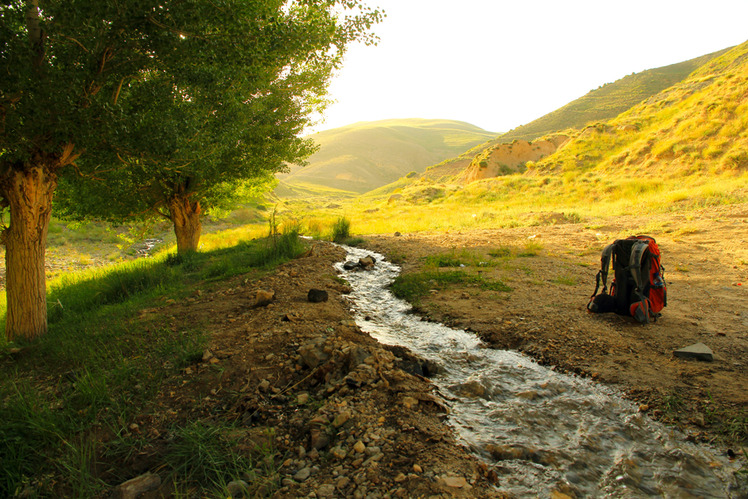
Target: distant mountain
(358, 158)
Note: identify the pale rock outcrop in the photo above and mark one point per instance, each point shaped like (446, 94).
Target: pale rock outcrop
(505, 159)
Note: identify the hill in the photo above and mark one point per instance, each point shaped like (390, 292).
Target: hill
(366, 155)
(609, 100)
(695, 128)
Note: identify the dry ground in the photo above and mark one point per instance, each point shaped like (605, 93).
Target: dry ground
(345, 416)
(705, 255)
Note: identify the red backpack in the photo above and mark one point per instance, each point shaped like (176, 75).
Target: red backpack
(638, 288)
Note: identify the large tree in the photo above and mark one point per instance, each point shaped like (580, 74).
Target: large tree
(168, 97)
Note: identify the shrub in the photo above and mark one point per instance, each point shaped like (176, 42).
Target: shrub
(341, 230)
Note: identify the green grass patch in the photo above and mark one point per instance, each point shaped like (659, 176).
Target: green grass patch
(67, 399)
(531, 249)
(412, 287)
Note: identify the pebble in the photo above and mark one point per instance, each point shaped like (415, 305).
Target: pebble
(139, 485)
(341, 419)
(326, 490)
(302, 474)
(409, 402)
(342, 482)
(359, 447)
(237, 488)
(455, 482)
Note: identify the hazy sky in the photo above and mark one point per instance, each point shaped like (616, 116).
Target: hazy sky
(499, 64)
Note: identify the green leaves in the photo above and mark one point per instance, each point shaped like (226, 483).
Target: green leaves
(217, 95)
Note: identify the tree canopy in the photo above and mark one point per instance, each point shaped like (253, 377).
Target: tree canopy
(143, 106)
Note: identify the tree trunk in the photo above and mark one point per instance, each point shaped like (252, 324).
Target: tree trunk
(28, 193)
(185, 215)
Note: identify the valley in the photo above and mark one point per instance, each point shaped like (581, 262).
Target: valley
(216, 373)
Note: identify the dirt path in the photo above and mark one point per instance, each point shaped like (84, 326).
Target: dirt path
(706, 259)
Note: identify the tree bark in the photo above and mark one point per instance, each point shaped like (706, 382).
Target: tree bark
(28, 192)
(185, 215)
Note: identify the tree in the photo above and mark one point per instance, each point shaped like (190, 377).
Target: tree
(177, 98)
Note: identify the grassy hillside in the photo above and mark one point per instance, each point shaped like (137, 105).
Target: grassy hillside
(609, 100)
(367, 155)
(682, 149)
(695, 129)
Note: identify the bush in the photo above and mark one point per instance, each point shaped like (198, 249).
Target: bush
(341, 230)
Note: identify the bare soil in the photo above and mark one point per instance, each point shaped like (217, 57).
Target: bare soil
(348, 417)
(705, 255)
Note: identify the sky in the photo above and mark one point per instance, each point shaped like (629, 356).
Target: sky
(499, 64)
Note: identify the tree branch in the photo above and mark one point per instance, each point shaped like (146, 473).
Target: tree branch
(36, 36)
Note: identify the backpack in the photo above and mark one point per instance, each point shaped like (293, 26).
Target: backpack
(638, 288)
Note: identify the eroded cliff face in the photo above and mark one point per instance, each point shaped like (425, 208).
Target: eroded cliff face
(505, 159)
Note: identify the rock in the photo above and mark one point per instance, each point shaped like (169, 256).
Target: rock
(471, 389)
(341, 419)
(400, 477)
(263, 297)
(264, 385)
(318, 439)
(397, 234)
(359, 447)
(409, 402)
(342, 482)
(313, 353)
(455, 482)
(338, 452)
(367, 262)
(237, 488)
(696, 351)
(302, 474)
(316, 295)
(326, 490)
(417, 469)
(357, 356)
(139, 485)
(207, 355)
(302, 398)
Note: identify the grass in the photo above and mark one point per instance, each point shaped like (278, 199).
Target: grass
(411, 287)
(67, 400)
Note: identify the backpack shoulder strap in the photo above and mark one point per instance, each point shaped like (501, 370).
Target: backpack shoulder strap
(605, 265)
(635, 264)
(602, 274)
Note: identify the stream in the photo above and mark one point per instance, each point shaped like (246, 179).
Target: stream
(542, 430)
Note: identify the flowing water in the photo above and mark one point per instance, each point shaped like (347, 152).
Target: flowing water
(543, 430)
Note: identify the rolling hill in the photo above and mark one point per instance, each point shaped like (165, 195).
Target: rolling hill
(695, 128)
(604, 103)
(609, 100)
(363, 156)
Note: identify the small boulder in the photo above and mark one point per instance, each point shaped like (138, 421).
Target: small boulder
(263, 297)
(697, 351)
(317, 295)
(367, 262)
